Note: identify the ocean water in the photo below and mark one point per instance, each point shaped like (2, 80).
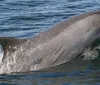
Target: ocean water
(27, 18)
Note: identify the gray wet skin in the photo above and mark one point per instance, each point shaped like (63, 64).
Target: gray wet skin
(55, 46)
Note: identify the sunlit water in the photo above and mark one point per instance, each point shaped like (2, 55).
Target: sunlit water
(27, 18)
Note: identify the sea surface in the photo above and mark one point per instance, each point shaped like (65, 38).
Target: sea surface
(27, 18)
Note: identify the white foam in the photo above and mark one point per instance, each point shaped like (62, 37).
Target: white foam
(1, 53)
(90, 54)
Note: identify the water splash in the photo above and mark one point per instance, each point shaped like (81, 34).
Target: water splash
(1, 53)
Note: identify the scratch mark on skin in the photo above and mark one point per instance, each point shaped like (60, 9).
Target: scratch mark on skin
(59, 57)
(58, 49)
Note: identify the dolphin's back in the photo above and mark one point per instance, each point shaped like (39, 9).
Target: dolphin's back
(55, 30)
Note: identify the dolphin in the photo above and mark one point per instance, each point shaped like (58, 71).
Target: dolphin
(57, 45)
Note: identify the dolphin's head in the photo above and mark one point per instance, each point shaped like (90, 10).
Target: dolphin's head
(9, 52)
(16, 55)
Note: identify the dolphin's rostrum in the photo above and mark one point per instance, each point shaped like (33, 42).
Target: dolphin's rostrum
(53, 47)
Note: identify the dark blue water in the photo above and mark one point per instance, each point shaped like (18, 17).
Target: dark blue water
(27, 18)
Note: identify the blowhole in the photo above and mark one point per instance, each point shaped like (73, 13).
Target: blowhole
(1, 53)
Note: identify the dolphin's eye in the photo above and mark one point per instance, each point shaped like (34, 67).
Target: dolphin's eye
(1, 52)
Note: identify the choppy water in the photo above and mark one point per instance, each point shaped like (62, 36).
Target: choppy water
(27, 18)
